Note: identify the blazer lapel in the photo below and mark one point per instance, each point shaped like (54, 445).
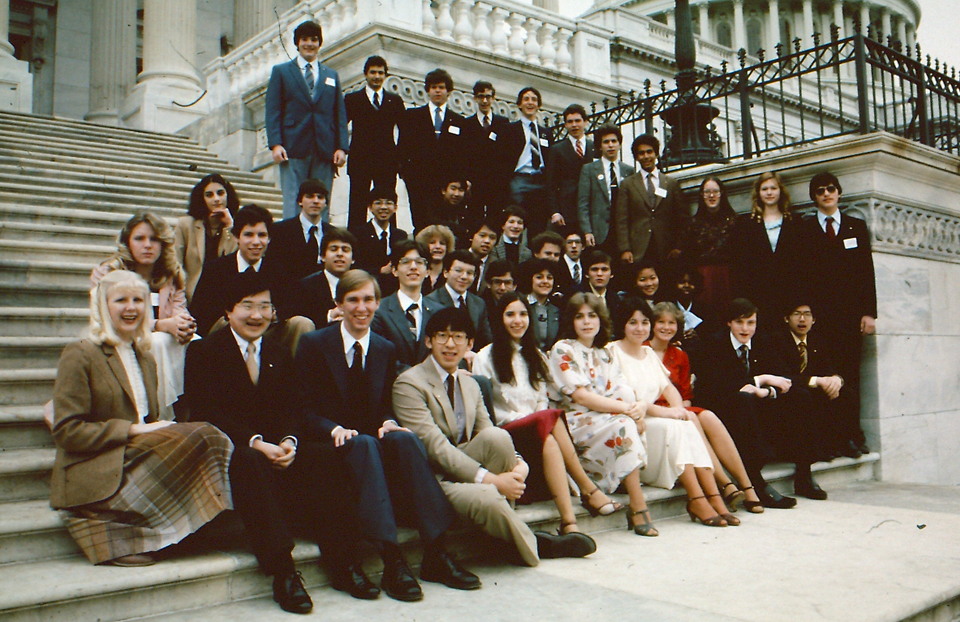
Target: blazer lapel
(200, 239)
(149, 370)
(396, 314)
(338, 362)
(469, 414)
(120, 372)
(297, 76)
(440, 393)
(376, 372)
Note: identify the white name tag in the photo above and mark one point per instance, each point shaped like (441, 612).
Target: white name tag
(330, 82)
(544, 142)
(154, 299)
(493, 136)
(453, 129)
(660, 192)
(850, 243)
(600, 177)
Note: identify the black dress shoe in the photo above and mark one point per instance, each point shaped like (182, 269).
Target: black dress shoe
(807, 487)
(443, 568)
(290, 594)
(352, 580)
(770, 498)
(574, 544)
(863, 449)
(399, 583)
(850, 450)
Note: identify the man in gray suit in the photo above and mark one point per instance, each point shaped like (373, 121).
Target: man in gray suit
(599, 186)
(306, 118)
(460, 269)
(650, 211)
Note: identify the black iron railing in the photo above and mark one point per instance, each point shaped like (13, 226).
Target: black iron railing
(845, 86)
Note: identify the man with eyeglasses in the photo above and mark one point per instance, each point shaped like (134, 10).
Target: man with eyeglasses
(500, 278)
(481, 134)
(838, 279)
(460, 269)
(481, 472)
(377, 236)
(402, 315)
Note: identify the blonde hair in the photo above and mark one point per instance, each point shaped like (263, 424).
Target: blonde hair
(668, 308)
(166, 269)
(427, 234)
(102, 330)
(783, 204)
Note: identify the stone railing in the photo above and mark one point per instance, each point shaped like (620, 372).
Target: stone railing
(913, 231)
(501, 28)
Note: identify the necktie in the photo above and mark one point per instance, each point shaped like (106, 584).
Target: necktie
(412, 318)
(313, 245)
(450, 392)
(461, 303)
(745, 357)
(437, 122)
(614, 185)
(831, 234)
(385, 242)
(308, 76)
(535, 159)
(486, 121)
(650, 188)
(576, 272)
(250, 269)
(457, 412)
(356, 368)
(252, 368)
(376, 101)
(579, 149)
(802, 346)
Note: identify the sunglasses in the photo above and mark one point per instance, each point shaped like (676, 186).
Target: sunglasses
(824, 189)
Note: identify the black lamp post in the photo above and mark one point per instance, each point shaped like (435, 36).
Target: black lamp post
(693, 140)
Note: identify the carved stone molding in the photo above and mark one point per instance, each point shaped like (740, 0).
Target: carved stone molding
(913, 231)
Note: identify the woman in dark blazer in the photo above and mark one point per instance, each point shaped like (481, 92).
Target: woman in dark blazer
(536, 281)
(127, 483)
(766, 248)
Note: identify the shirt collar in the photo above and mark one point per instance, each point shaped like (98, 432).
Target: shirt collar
(737, 344)
(370, 93)
(242, 264)
(798, 340)
(306, 224)
(570, 262)
(243, 343)
(443, 373)
(302, 63)
(654, 173)
(405, 301)
(378, 230)
(582, 141)
(822, 218)
(349, 340)
(433, 108)
(453, 293)
(607, 163)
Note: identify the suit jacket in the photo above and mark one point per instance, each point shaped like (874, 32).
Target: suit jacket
(553, 326)
(563, 177)
(190, 244)
(370, 254)
(314, 299)
(593, 198)
(500, 251)
(512, 141)
(760, 275)
(481, 151)
(638, 216)
(391, 323)
(720, 374)
(215, 285)
(564, 278)
(288, 249)
(305, 124)
(819, 356)
(373, 149)
(426, 160)
(325, 393)
(94, 407)
(421, 404)
(219, 391)
(838, 276)
(478, 313)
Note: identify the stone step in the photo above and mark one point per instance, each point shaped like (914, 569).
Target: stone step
(31, 353)
(42, 272)
(194, 581)
(19, 387)
(44, 233)
(16, 294)
(30, 531)
(31, 250)
(25, 474)
(23, 427)
(43, 322)
(73, 125)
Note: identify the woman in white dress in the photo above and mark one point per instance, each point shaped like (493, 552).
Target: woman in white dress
(675, 449)
(518, 372)
(604, 416)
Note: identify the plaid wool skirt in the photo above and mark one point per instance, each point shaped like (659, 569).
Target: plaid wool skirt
(174, 482)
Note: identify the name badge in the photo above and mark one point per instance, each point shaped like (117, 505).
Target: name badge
(330, 82)
(492, 136)
(544, 142)
(600, 176)
(850, 243)
(453, 129)
(154, 299)
(660, 192)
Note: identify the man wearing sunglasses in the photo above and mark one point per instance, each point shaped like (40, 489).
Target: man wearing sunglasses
(839, 279)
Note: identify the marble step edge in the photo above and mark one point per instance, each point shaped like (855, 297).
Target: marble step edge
(42, 265)
(105, 200)
(29, 460)
(95, 141)
(44, 313)
(21, 414)
(51, 288)
(20, 118)
(34, 342)
(78, 249)
(80, 214)
(171, 165)
(57, 128)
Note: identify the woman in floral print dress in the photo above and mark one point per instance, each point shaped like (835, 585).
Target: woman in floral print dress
(603, 413)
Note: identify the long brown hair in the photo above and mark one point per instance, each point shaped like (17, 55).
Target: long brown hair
(166, 269)
(756, 205)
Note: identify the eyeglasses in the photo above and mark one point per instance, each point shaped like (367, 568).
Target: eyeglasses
(483, 97)
(406, 261)
(443, 337)
(823, 189)
(807, 315)
(710, 193)
(264, 308)
(458, 271)
(498, 281)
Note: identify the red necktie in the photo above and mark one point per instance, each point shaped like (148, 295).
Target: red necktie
(579, 148)
(831, 234)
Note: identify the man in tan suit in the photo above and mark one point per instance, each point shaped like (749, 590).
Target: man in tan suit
(480, 469)
(650, 211)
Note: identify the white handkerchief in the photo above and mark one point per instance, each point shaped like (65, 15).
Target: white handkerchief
(330, 82)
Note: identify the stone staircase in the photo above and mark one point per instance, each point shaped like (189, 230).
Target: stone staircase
(66, 187)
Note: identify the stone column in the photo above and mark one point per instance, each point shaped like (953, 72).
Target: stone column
(113, 58)
(739, 26)
(808, 28)
(911, 36)
(167, 92)
(838, 18)
(864, 18)
(773, 25)
(705, 33)
(6, 48)
(886, 27)
(550, 5)
(250, 17)
(671, 20)
(16, 81)
(902, 31)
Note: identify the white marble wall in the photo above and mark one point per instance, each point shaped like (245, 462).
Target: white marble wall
(71, 90)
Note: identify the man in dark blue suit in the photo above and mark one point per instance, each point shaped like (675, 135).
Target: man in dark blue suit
(306, 118)
(488, 186)
(296, 242)
(523, 148)
(346, 375)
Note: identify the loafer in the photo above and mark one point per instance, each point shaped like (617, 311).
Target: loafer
(770, 498)
(290, 594)
(574, 544)
(352, 580)
(443, 568)
(399, 583)
(807, 487)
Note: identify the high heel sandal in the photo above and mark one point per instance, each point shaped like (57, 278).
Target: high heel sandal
(713, 521)
(732, 520)
(645, 528)
(754, 507)
(606, 509)
(735, 497)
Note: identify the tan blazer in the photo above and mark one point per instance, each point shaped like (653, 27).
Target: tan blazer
(172, 300)
(638, 216)
(189, 241)
(94, 408)
(421, 404)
